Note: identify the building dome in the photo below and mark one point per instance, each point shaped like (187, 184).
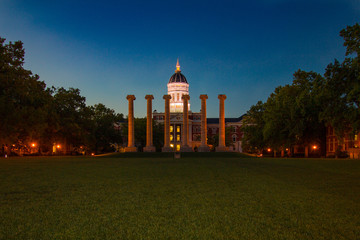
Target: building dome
(178, 77)
(177, 87)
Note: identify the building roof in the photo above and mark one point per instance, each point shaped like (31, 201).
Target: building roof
(227, 120)
(178, 77)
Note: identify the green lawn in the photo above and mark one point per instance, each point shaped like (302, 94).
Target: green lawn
(222, 196)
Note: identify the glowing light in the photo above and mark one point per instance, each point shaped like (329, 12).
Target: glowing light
(172, 145)
(58, 146)
(269, 149)
(287, 149)
(314, 147)
(92, 154)
(33, 144)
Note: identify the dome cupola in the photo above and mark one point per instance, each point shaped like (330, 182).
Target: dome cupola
(177, 77)
(177, 87)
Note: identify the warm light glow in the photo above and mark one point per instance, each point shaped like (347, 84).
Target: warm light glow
(92, 154)
(172, 145)
(269, 149)
(314, 147)
(33, 144)
(287, 149)
(58, 146)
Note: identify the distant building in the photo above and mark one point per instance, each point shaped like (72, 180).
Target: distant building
(350, 144)
(179, 86)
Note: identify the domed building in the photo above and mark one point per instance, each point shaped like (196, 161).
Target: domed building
(177, 87)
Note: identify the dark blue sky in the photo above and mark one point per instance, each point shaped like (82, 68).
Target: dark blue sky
(243, 49)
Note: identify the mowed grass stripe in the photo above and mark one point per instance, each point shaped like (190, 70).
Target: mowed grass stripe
(187, 198)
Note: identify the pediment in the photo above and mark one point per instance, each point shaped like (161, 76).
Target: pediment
(176, 117)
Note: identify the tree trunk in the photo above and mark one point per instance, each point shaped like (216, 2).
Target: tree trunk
(306, 151)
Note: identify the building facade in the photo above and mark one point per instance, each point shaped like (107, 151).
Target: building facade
(178, 87)
(350, 144)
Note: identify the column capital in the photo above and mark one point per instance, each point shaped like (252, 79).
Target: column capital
(185, 97)
(222, 96)
(203, 96)
(168, 97)
(130, 97)
(147, 97)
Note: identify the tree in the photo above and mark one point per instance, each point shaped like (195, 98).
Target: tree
(24, 101)
(101, 129)
(253, 124)
(340, 95)
(69, 117)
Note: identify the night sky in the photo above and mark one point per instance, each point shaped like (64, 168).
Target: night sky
(244, 49)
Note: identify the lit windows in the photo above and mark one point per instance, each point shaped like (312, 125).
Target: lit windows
(178, 137)
(171, 138)
(178, 129)
(171, 128)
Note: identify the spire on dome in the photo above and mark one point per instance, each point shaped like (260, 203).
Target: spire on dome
(177, 66)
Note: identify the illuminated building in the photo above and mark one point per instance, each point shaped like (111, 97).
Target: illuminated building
(178, 86)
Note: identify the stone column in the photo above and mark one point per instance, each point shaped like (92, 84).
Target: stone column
(222, 147)
(185, 131)
(203, 147)
(167, 147)
(149, 145)
(131, 146)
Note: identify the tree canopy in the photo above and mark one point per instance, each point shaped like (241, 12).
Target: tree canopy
(31, 112)
(297, 114)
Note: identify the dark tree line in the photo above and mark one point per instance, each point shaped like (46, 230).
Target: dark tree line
(31, 112)
(297, 114)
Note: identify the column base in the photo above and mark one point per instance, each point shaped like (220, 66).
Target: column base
(221, 149)
(149, 149)
(185, 149)
(167, 149)
(130, 149)
(204, 149)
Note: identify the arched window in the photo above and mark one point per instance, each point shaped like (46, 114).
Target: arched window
(234, 137)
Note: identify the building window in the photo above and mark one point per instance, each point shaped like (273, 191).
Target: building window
(171, 138)
(178, 97)
(171, 128)
(234, 138)
(178, 147)
(178, 137)
(178, 129)
(331, 145)
(356, 143)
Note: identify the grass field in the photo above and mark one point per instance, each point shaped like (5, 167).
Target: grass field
(222, 196)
